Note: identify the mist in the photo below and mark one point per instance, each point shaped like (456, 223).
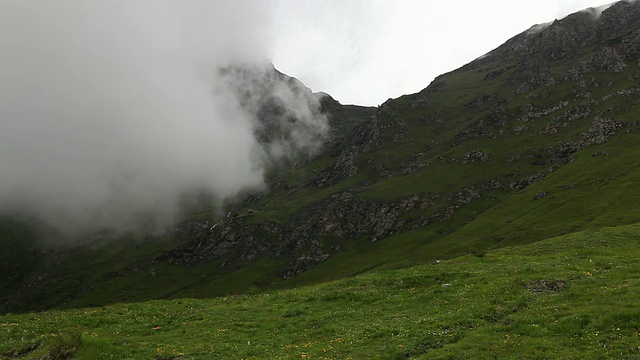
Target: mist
(115, 113)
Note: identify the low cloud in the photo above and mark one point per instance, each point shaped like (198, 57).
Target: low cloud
(596, 12)
(117, 113)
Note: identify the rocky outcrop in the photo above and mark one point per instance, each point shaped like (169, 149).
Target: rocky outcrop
(288, 123)
(540, 195)
(566, 37)
(304, 262)
(476, 155)
(363, 137)
(339, 216)
(614, 34)
(535, 79)
(480, 99)
(344, 215)
(600, 131)
(488, 126)
(341, 169)
(577, 112)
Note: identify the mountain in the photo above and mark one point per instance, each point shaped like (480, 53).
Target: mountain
(536, 139)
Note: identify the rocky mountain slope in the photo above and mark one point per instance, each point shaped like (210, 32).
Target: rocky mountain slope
(535, 139)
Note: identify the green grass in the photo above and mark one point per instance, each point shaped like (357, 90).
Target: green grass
(123, 270)
(19, 241)
(591, 192)
(570, 297)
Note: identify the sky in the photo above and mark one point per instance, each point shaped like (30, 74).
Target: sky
(366, 51)
(115, 113)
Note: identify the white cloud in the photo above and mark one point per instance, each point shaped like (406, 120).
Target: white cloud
(364, 52)
(112, 110)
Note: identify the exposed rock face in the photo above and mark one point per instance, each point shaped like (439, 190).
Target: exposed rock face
(476, 155)
(615, 33)
(488, 126)
(607, 61)
(341, 169)
(540, 195)
(289, 121)
(339, 216)
(580, 111)
(480, 99)
(600, 131)
(343, 215)
(616, 28)
(362, 138)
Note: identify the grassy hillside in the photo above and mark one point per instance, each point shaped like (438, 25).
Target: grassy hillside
(535, 140)
(568, 297)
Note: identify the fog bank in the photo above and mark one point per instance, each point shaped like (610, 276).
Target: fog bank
(114, 112)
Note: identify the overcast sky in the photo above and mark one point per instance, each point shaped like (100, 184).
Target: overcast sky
(366, 51)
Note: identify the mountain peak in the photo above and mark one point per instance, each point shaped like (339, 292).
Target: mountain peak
(573, 34)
